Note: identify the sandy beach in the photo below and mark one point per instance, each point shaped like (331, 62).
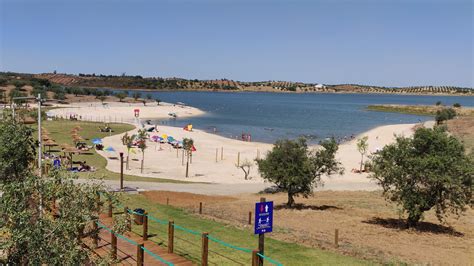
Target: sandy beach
(163, 161)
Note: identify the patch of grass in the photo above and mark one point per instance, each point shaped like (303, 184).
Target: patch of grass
(189, 245)
(60, 131)
(414, 110)
(429, 110)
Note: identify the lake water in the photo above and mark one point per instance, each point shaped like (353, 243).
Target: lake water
(270, 116)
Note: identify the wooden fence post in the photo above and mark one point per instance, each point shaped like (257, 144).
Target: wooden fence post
(128, 219)
(200, 207)
(170, 236)
(238, 159)
(109, 213)
(250, 217)
(222, 153)
(145, 226)
(205, 249)
(113, 245)
(216, 154)
(95, 235)
(255, 258)
(140, 257)
(336, 238)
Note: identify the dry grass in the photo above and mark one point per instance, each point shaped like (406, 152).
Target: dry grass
(463, 129)
(369, 227)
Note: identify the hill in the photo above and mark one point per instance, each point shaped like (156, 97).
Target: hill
(159, 83)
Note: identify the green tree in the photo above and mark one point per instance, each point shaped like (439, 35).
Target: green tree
(16, 150)
(121, 96)
(101, 98)
(127, 141)
(295, 169)
(427, 171)
(362, 147)
(158, 101)
(444, 115)
(136, 95)
(141, 142)
(188, 144)
(42, 216)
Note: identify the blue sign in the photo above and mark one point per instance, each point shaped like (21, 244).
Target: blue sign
(57, 163)
(263, 217)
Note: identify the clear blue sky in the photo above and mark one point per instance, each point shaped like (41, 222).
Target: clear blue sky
(379, 42)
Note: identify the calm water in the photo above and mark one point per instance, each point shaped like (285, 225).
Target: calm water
(270, 116)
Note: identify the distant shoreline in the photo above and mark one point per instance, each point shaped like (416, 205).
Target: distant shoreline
(278, 91)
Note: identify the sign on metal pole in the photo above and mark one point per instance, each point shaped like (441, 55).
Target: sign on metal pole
(263, 217)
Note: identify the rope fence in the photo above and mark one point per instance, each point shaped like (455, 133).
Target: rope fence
(196, 233)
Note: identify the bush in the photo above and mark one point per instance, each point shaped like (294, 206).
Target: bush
(457, 105)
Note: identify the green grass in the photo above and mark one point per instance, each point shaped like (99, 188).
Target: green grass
(60, 131)
(189, 245)
(414, 110)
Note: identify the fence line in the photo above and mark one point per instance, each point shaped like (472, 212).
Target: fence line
(216, 240)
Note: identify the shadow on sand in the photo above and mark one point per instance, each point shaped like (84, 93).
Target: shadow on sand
(301, 206)
(423, 227)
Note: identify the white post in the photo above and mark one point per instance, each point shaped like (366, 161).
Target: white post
(40, 140)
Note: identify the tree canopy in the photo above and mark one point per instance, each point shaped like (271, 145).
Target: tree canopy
(297, 170)
(427, 171)
(43, 217)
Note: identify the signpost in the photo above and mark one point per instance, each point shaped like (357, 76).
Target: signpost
(263, 223)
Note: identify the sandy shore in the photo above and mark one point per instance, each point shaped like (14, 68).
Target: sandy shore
(123, 112)
(162, 161)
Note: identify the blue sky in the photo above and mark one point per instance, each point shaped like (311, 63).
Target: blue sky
(377, 42)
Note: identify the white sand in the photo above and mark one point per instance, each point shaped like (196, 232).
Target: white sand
(123, 112)
(162, 161)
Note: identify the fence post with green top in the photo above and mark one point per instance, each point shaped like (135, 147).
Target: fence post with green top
(205, 249)
(140, 255)
(170, 236)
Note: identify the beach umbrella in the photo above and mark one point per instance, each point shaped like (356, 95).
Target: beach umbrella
(164, 136)
(170, 139)
(96, 141)
(49, 143)
(109, 149)
(71, 150)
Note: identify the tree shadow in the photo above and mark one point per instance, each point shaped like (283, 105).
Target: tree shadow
(422, 227)
(301, 206)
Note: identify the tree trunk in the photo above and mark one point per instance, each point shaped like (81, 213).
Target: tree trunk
(128, 168)
(187, 165)
(143, 159)
(413, 219)
(361, 163)
(291, 200)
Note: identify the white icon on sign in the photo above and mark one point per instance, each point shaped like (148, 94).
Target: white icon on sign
(267, 219)
(259, 220)
(266, 208)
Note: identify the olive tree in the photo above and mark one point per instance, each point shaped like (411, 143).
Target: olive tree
(296, 169)
(427, 171)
